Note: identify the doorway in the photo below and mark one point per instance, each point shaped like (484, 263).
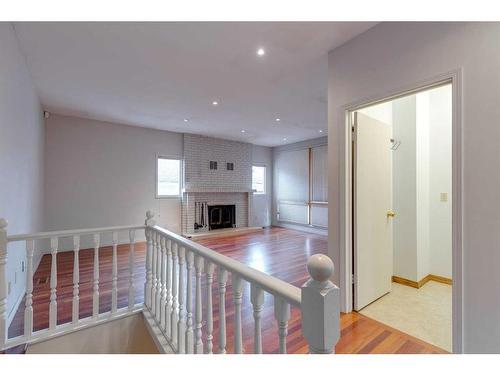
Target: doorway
(402, 213)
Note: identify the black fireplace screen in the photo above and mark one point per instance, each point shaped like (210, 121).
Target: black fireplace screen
(221, 216)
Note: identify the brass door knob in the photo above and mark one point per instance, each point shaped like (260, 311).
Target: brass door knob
(391, 213)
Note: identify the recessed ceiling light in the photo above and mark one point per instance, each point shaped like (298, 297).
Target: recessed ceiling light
(261, 52)
(284, 139)
(186, 120)
(243, 131)
(215, 102)
(321, 131)
(278, 119)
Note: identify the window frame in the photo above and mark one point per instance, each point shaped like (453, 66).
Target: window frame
(265, 178)
(181, 175)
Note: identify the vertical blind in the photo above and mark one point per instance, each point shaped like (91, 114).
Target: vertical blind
(302, 186)
(293, 189)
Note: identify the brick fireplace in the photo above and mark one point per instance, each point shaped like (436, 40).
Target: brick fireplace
(217, 173)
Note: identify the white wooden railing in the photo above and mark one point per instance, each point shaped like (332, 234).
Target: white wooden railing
(174, 314)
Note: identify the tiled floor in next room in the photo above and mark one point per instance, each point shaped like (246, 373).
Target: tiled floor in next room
(424, 313)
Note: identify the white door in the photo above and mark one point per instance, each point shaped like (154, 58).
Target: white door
(373, 253)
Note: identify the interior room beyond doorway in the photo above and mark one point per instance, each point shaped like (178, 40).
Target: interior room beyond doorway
(402, 213)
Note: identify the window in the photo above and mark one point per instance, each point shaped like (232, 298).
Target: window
(259, 179)
(168, 177)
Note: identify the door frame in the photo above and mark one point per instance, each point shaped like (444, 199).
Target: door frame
(346, 252)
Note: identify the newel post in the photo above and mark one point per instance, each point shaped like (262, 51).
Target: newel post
(3, 282)
(320, 306)
(150, 222)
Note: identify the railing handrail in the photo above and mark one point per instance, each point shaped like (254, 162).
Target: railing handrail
(270, 284)
(168, 257)
(70, 232)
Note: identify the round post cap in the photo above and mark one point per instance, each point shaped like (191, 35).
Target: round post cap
(320, 267)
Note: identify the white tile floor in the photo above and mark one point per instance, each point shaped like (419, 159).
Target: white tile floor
(424, 313)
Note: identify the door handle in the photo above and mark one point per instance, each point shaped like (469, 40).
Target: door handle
(391, 213)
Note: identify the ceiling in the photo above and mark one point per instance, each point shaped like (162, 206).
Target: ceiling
(158, 75)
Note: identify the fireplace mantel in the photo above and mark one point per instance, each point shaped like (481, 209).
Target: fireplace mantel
(221, 190)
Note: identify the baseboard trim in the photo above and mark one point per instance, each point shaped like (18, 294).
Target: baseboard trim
(422, 282)
(403, 281)
(441, 279)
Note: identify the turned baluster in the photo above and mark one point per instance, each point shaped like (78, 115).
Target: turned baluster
(181, 324)
(198, 348)
(282, 315)
(257, 298)
(76, 280)
(320, 306)
(54, 241)
(222, 281)
(28, 310)
(114, 275)
(189, 304)
(238, 298)
(95, 295)
(131, 262)
(3, 282)
(175, 304)
(160, 283)
(154, 272)
(209, 313)
(150, 222)
(168, 308)
(157, 297)
(163, 265)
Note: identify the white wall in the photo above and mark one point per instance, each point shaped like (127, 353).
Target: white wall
(405, 188)
(102, 174)
(21, 157)
(395, 55)
(261, 203)
(423, 213)
(440, 177)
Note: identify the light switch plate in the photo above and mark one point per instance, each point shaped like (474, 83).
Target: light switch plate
(444, 197)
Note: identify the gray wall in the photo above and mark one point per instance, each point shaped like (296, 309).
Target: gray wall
(395, 55)
(102, 174)
(21, 157)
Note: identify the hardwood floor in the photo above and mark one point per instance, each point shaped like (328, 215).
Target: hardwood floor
(41, 285)
(280, 252)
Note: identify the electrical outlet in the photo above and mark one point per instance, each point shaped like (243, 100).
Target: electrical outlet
(22, 266)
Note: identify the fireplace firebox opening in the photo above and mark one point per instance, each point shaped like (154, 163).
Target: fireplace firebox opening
(221, 216)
